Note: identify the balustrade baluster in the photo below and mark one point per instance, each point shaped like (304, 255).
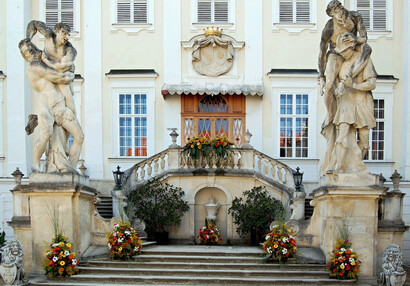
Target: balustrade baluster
(273, 170)
(156, 165)
(142, 173)
(149, 169)
(280, 174)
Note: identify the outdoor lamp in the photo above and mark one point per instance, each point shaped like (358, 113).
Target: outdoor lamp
(298, 177)
(118, 178)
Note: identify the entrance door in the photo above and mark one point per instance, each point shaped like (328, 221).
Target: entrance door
(213, 115)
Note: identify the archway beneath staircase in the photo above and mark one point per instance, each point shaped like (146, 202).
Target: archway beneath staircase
(202, 197)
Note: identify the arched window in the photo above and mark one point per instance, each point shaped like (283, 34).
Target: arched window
(213, 104)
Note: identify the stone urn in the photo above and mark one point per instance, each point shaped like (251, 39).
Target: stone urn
(211, 209)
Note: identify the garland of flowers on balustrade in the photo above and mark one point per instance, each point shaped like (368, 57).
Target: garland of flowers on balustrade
(280, 244)
(123, 241)
(209, 234)
(344, 263)
(214, 151)
(60, 259)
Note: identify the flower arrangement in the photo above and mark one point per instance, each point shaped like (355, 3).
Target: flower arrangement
(196, 146)
(279, 243)
(220, 145)
(60, 259)
(344, 263)
(209, 234)
(123, 241)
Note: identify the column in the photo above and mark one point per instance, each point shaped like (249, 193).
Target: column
(172, 66)
(406, 90)
(254, 68)
(93, 117)
(18, 90)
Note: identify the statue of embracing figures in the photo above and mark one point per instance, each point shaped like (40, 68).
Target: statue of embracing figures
(50, 73)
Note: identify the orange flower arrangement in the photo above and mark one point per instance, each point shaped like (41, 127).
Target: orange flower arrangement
(344, 263)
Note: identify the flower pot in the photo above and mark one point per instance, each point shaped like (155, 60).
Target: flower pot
(161, 237)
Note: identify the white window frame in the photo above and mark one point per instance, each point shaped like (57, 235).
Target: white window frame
(228, 26)
(373, 35)
(384, 90)
(133, 84)
(295, 84)
(132, 28)
(294, 27)
(77, 16)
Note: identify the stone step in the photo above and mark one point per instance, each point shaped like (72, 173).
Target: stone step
(203, 265)
(167, 280)
(181, 272)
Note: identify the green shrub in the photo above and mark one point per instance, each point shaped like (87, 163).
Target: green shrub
(159, 205)
(255, 212)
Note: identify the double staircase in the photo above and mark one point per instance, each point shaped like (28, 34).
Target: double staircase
(195, 265)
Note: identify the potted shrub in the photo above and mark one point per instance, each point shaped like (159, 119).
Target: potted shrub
(2, 242)
(254, 213)
(160, 206)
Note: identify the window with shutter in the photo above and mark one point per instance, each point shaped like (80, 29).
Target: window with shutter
(213, 11)
(294, 11)
(60, 11)
(374, 14)
(132, 12)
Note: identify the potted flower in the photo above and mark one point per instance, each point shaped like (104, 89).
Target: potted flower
(196, 147)
(123, 241)
(280, 243)
(60, 258)
(209, 234)
(344, 263)
(254, 213)
(220, 148)
(159, 205)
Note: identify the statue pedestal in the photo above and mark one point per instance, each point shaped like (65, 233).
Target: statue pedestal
(73, 199)
(347, 198)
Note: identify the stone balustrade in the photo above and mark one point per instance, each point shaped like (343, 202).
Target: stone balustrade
(174, 162)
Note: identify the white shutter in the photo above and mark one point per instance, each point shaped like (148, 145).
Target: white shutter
(67, 13)
(51, 13)
(286, 11)
(123, 12)
(302, 11)
(379, 15)
(374, 13)
(363, 7)
(60, 11)
(140, 11)
(221, 11)
(204, 11)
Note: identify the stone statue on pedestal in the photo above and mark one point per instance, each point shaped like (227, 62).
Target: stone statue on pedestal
(392, 273)
(12, 260)
(50, 73)
(347, 77)
(211, 209)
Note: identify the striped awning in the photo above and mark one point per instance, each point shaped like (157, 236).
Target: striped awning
(212, 88)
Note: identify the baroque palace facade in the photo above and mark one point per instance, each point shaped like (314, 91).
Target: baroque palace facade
(145, 67)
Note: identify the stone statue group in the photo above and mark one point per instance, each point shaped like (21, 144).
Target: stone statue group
(50, 73)
(347, 76)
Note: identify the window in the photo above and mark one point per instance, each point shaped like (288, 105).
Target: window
(132, 16)
(213, 11)
(294, 110)
(132, 12)
(374, 13)
(132, 124)
(60, 11)
(294, 11)
(294, 15)
(56, 11)
(133, 113)
(376, 136)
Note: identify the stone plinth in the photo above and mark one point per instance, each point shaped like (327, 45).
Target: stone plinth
(346, 197)
(70, 195)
